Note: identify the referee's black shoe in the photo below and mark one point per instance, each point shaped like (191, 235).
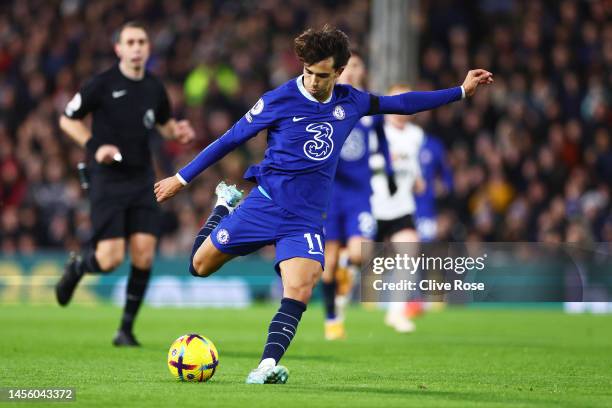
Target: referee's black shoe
(72, 275)
(123, 338)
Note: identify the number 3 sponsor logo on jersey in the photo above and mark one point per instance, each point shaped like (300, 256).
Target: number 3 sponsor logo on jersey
(320, 147)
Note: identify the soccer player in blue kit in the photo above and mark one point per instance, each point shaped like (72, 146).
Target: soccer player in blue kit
(308, 119)
(349, 218)
(434, 167)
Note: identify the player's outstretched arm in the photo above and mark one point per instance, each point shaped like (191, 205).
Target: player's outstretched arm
(238, 134)
(413, 102)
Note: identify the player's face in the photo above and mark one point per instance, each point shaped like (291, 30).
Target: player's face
(133, 47)
(320, 78)
(354, 73)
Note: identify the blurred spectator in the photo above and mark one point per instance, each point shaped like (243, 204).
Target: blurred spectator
(531, 156)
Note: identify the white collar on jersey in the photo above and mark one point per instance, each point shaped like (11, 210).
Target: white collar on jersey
(307, 95)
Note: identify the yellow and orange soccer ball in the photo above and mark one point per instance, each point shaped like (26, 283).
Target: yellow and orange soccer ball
(193, 358)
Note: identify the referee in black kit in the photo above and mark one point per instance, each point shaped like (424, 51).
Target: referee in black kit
(126, 102)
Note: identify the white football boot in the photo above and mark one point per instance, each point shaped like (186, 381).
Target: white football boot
(228, 196)
(268, 373)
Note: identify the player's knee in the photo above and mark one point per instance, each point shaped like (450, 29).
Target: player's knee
(110, 254)
(298, 292)
(302, 293)
(142, 251)
(200, 268)
(355, 258)
(354, 250)
(301, 290)
(143, 260)
(109, 261)
(332, 253)
(327, 274)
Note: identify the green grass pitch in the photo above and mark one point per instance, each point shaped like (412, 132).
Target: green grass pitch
(458, 357)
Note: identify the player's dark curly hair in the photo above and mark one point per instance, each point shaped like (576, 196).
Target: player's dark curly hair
(313, 46)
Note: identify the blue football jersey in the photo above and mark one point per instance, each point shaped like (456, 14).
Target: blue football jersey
(305, 138)
(353, 172)
(354, 156)
(432, 159)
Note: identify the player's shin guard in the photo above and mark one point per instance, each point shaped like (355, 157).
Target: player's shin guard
(329, 299)
(136, 288)
(211, 223)
(282, 328)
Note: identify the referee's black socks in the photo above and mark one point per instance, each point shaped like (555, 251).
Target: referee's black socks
(211, 223)
(136, 288)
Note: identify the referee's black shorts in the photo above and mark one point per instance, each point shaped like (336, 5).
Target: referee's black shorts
(120, 208)
(386, 228)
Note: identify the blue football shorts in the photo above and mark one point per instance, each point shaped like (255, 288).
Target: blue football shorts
(258, 221)
(349, 215)
(427, 227)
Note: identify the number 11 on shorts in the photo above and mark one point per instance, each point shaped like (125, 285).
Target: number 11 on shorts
(311, 249)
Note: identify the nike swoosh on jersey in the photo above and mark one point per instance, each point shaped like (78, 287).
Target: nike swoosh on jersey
(119, 94)
(287, 330)
(296, 119)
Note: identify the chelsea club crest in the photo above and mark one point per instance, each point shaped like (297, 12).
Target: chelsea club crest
(339, 112)
(223, 236)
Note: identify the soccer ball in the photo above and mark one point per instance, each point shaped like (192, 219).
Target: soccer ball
(193, 358)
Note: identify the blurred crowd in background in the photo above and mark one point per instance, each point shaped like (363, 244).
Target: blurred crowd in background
(531, 155)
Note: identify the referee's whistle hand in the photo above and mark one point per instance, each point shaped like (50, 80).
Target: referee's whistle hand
(167, 188)
(106, 153)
